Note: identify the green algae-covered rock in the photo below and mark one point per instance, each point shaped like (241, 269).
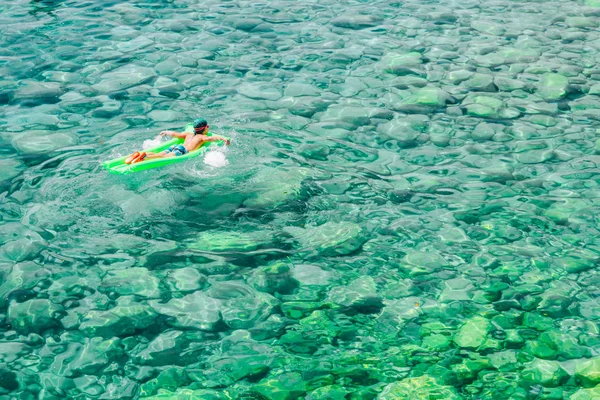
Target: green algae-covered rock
(588, 372)
(421, 388)
(473, 333)
(287, 386)
(34, 315)
(553, 87)
(299, 309)
(468, 369)
(545, 372)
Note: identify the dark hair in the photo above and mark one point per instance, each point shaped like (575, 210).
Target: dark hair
(200, 123)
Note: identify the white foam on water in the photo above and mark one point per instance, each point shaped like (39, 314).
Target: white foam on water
(215, 159)
(151, 143)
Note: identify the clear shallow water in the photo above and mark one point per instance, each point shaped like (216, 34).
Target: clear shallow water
(408, 210)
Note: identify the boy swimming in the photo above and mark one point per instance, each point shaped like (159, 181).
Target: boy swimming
(192, 141)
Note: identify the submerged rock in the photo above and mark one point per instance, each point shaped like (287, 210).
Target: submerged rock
(274, 187)
(586, 394)
(194, 311)
(187, 279)
(260, 91)
(34, 315)
(132, 281)
(473, 333)
(241, 306)
(329, 239)
(168, 379)
(425, 100)
(553, 87)
(488, 107)
(406, 130)
(402, 63)
(240, 357)
(95, 355)
(421, 388)
(287, 386)
(424, 262)
(223, 242)
(31, 93)
(544, 372)
(355, 21)
(273, 278)
(165, 349)
(360, 295)
(125, 318)
(588, 372)
(332, 392)
(186, 394)
(27, 248)
(42, 142)
(125, 77)
(10, 168)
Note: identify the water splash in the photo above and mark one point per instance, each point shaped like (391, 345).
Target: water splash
(150, 143)
(216, 159)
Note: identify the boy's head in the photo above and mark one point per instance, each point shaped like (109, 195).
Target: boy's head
(200, 125)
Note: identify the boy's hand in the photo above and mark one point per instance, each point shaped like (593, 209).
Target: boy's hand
(164, 133)
(227, 141)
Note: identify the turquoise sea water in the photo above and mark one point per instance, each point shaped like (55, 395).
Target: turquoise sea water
(409, 208)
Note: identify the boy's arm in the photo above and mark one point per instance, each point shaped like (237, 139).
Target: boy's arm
(180, 135)
(215, 138)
